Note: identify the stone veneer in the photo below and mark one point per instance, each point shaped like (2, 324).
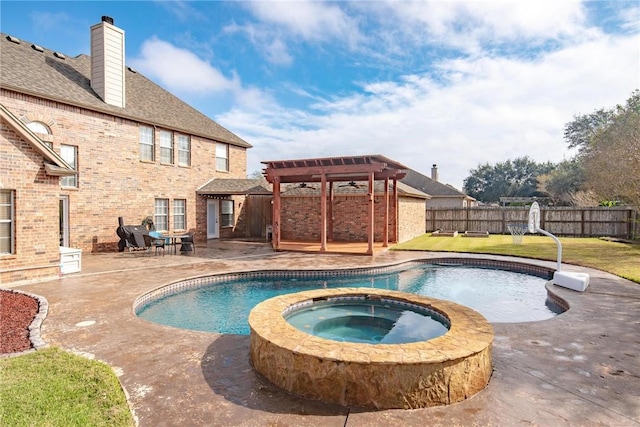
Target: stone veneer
(441, 371)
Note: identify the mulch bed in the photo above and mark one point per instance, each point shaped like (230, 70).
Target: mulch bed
(17, 311)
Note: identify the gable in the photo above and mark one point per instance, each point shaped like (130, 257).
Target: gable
(54, 164)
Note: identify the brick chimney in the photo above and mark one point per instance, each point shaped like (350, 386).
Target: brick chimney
(107, 62)
(434, 172)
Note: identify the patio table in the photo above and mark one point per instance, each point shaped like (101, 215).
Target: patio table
(174, 239)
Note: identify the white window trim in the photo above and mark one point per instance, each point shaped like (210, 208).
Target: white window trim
(147, 144)
(164, 214)
(222, 153)
(11, 221)
(73, 163)
(180, 138)
(164, 147)
(179, 203)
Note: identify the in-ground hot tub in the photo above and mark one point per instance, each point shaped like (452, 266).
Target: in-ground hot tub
(430, 372)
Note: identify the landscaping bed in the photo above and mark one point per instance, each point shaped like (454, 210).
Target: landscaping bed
(17, 311)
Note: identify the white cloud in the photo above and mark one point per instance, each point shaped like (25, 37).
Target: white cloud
(458, 23)
(181, 70)
(310, 20)
(488, 109)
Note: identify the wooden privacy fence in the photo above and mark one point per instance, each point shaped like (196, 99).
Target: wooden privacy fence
(258, 215)
(561, 221)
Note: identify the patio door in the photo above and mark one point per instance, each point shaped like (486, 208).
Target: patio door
(213, 213)
(64, 221)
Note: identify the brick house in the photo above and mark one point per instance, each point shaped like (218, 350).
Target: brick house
(117, 145)
(440, 195)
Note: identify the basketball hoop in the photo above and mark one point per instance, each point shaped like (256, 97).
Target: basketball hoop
(517, 231)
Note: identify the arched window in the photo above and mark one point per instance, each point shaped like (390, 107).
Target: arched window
(39, 127)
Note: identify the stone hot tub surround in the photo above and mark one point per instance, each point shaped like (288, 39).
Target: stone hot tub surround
(441, 371)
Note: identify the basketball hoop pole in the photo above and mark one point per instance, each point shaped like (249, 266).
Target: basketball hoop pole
(546, 233)
(534, 227)
(575, 281)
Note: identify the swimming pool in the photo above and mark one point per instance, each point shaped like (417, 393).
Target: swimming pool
(222, 304)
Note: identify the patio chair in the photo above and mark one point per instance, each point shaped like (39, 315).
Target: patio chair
(157, 241)
(187, 244)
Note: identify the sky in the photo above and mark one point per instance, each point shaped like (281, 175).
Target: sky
(453, 83)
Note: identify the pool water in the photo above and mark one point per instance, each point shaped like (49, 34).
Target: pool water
(499, 295)
(368, 322)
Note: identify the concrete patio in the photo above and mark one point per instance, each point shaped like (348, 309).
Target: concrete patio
(581, 368)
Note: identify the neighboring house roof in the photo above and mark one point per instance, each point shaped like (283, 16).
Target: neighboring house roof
(31, 69)
(350, 188)
(229, 186)
(53, 163)
(432, 187)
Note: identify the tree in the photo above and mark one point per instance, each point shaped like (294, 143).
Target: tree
(513, 178)
(609, 150)
(564, 184)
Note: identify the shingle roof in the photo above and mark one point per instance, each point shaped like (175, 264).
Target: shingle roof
(430, 186)
(235, 186)
(45, 74)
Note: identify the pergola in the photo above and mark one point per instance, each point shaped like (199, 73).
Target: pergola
(328, 170)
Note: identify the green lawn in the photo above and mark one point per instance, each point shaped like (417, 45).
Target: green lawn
(53, 388)
(622, 259)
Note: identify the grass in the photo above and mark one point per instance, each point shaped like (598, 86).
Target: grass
(53, 388)
(621, 259)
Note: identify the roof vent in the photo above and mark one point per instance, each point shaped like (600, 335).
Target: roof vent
(38, 48)
(59, 55)
(107, 19)
(13, 39)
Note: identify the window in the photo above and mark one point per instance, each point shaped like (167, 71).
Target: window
(226, 213)
(184, 150)
(166, 147)
(179, 214)
(222, 157)
(38, 127)
(69, 154)
(146, 143)
(161, 217)
(7, 228)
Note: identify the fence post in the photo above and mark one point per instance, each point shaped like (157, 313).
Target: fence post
(466, 221)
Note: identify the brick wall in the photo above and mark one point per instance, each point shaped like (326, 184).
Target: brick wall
(411, 219)
(112, 180)
(36, 211)
(301, 218)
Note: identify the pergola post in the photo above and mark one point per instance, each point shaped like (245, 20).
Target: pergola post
(276, 213)
(330, 213)
(395, 210)
(323, 213)
(385, 241)
(371, 211)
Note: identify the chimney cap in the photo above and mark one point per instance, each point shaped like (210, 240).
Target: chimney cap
(435, 166)
(107, 19)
